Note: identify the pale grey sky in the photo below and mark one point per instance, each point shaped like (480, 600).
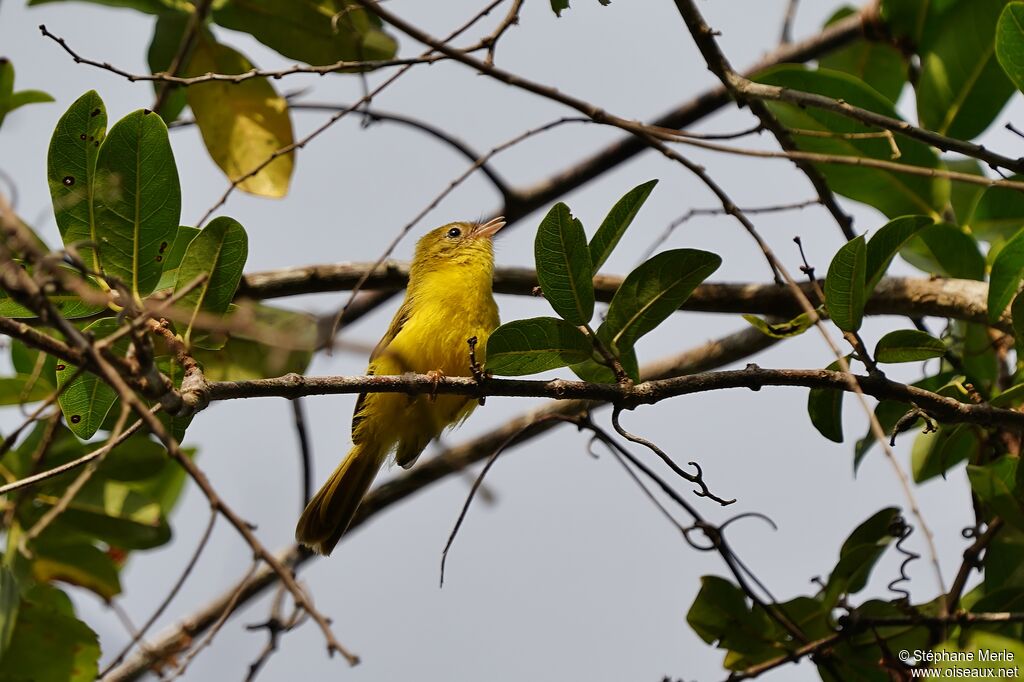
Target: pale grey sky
(572, 574)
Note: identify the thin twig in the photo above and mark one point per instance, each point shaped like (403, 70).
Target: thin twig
(305, 452)
(217, 625)
(138, 635)
(195, 23)
(478, 481)
(694, 212)
(167, 79)
(786, 36)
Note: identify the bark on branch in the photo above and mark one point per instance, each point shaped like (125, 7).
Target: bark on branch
(645, 393)
(915, 296)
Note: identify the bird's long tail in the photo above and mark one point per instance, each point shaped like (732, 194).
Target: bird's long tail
(328, 514)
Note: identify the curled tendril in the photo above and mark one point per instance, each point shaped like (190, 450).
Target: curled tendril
(696, 479)
(713, 535)
(901, 530)
(969, 532)
(748, 515)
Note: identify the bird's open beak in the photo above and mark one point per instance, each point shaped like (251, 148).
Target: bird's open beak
(490, 228)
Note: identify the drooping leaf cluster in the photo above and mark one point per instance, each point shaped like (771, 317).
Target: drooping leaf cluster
(566, 264)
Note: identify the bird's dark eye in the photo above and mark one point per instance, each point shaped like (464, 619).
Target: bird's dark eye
(454, 233)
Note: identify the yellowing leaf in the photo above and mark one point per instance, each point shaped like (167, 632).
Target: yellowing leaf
(242, 124)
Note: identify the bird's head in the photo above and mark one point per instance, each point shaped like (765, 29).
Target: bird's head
(458, 244)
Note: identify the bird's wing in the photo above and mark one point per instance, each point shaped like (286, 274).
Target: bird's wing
(397, 322)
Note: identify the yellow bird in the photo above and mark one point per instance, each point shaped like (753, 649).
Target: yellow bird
(448, 301)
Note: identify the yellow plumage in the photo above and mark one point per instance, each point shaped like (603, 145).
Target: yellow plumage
(448, 300)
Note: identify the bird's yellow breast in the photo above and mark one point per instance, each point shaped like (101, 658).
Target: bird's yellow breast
(447, 307)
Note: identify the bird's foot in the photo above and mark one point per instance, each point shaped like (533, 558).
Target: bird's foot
(435, 375)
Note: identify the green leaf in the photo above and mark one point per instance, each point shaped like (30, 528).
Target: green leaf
(908, 345)
(977, 354)
(115, 514)
(218, 253)
(995, 485)
(878, 64)
(1010, 42)
(70, 306)
(1011, 397)
(961, 88)
(1017, 319)
(954, 664)
(174, 255)
(617, 221)
(306, 29)
(653, 291)
(784, 330)
(936, 453)
(825, 408)
(721, 614)
(71, 170)
(33, 363)
(166, 486)
(535, 345)
(22, 389)
(894, 194)
(914, 21)
(63, 448)
(76, 563)
(10, 598)
(87, 398)
(564, 268)
(50, 641)
(845, 285)
(167, 34)
(558, 5)
(888, 413)
(1004, 560)
(1007, 272)
(946, 250)
(135, 459)
(597, 372)
(23, 97)
(147, 6)
(242, 124)
(10, 100)
(274, 342)
(137, 199)
(999, 213)
(963, 197)
(887, 242)
(859, 554)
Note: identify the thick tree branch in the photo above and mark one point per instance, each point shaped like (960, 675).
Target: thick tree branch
(645, 393)
(954, 298)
